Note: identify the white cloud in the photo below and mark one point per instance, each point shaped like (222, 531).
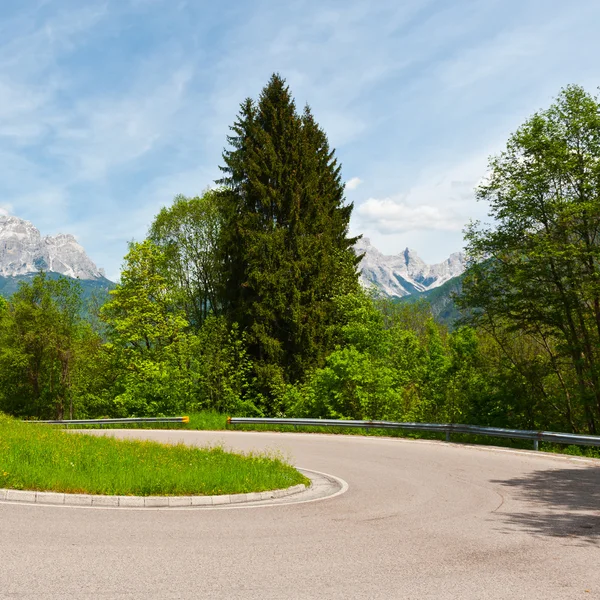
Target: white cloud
(5, 210)
(353, 183)
(441, 199)
(395, 216)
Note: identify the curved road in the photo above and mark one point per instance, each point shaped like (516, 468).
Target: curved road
(419, 520)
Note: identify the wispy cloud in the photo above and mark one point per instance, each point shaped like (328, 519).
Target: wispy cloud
(109, 108)
(443, 200)
(106, 133)
(30, 78)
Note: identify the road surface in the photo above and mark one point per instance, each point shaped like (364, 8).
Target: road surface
(419, 520)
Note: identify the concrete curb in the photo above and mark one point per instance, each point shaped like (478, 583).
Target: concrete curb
(53, 499)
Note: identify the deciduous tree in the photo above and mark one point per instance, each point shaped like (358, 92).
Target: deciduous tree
(536, 269)
(187, 233)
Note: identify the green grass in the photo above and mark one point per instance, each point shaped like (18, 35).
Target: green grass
(39, 457)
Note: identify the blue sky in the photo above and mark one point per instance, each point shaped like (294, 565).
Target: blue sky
(108, 109)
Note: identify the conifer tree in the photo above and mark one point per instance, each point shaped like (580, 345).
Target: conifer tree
(286, 250)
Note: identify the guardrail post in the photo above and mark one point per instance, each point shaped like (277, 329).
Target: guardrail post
(448, 435)
(536, 444)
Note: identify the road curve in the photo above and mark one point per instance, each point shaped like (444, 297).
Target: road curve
(420, 520)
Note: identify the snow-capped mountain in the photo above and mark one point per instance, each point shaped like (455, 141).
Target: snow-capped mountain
(24, 250)
(405, 273)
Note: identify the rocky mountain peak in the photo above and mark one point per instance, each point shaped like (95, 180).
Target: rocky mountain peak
(24, 250)
(404, 273)
(414, 263)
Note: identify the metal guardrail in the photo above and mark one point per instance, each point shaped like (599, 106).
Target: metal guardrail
(447, 428)
(116, 421)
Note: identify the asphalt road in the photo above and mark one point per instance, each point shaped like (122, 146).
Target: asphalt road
(419, 520)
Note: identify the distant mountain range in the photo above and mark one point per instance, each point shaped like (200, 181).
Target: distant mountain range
(24, 251)
(405, 274)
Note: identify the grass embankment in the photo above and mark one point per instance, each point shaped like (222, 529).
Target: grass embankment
(210, 420)
(38, 457)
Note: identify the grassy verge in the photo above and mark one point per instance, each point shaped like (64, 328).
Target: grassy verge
(38, 457)
(210, 420)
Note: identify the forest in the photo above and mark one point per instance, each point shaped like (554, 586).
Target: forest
(245, 299)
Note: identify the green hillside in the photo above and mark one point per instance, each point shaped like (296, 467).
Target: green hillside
(440, 299)
(91, 287)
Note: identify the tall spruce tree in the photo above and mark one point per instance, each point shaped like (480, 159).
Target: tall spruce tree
(285, 244)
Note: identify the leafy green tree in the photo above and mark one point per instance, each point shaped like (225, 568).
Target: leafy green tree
(154, 363)
(357, 380)
(433, 397)
(142, 310)
(148, 339)
(358, 322)
(187, 232)
(353, 385)
(380, 368)
(527, 384)
(40, 332)
(95, 375)
(465, 377)
(284, 245)
(221, 368)
(536, 270)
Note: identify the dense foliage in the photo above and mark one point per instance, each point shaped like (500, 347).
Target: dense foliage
(245, 300)
(43, 340)
(536, 272)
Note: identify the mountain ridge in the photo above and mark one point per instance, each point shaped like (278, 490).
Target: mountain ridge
(23, 250)
(404, 274)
